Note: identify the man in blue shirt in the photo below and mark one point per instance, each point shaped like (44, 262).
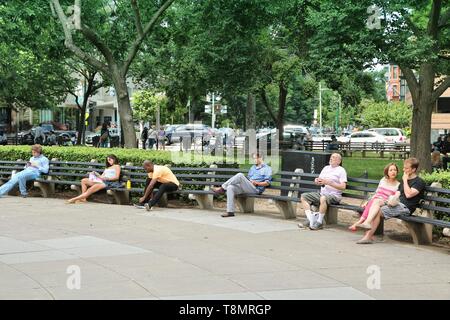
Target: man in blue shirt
(37, 165)
(258, 178)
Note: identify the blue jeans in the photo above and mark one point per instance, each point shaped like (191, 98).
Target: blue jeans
(21, 177)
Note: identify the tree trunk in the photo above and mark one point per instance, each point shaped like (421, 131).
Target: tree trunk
(421, 122)
(81, 126)
(281, 109)
(421, 133)
(125, 112)
(250, 120)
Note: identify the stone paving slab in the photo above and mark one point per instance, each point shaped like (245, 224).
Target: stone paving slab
(179, 253)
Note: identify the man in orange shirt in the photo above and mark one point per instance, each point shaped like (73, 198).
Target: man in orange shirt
(160, 177)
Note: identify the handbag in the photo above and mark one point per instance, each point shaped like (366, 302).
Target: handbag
(393, 201)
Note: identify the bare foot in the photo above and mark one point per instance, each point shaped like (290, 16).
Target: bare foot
(364, 225)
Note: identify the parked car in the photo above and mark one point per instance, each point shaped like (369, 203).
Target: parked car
(367, 137)
(290, 139)
(169, 131)
(90, 137)
(393, 135)
(197, 133)
(319, 137)
(3, 138)
(66, 138)
(296, 129)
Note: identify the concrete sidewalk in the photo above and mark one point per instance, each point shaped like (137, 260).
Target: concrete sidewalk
(126, 253)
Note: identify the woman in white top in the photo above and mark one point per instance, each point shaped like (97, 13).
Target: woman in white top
(107, 180)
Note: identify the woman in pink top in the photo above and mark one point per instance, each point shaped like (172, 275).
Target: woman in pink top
(388, 186)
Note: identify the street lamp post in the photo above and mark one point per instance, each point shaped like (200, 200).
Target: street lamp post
(213, 114)
(320, 107)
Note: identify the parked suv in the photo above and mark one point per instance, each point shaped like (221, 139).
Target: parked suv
(197, 132)
(392, 135)
(169, 131)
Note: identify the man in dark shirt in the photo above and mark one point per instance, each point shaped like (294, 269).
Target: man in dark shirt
(438, 144)
(411, 191)
(445, 149)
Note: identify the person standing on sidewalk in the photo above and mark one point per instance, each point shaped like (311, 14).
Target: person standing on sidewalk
(37, 165)
(152, 136)
(144, 137)
(258, 179)
(160, 177)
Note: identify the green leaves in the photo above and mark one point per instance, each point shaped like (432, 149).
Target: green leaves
(385, 114)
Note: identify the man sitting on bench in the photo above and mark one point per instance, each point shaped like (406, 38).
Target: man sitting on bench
(259, 177)
(333, 180)
(37, 165)
(411, 191)
(160, 177)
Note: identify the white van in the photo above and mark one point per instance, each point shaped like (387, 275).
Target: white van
(393, 135)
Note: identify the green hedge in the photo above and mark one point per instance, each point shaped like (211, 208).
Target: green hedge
(136, 156)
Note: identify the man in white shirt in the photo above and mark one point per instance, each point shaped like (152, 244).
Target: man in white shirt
(333, 180)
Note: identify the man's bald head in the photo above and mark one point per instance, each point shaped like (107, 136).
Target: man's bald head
(148, 166)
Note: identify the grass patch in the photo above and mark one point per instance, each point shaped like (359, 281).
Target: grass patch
(356, 167)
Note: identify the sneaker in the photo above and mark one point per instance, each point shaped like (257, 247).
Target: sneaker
(304, 225)
(138, 205)
(228, 214)
(24, 195)
(316, 226)
(147, 207)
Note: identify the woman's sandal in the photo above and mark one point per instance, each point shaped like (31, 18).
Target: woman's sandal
(364, 241)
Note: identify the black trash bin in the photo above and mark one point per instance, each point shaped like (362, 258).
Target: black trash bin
(310, 162)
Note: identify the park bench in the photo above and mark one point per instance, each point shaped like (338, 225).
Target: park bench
(197, 184)
(419, 224)
(61, 173)
(394, 149)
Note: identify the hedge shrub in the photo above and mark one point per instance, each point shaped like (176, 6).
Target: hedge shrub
(136, 156)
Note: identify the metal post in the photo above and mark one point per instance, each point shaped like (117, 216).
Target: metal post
(213, 117)
(158, 125)
(320, 106)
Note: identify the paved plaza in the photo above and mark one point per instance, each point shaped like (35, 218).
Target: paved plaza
(48, 248)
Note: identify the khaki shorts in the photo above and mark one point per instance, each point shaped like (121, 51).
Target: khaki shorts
(313, 198)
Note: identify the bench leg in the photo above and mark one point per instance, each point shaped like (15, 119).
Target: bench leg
(332, 216)
(46, 188)
(205, 201)
(287, 208)
(420, 232)
(120, 197)
(247, 205)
